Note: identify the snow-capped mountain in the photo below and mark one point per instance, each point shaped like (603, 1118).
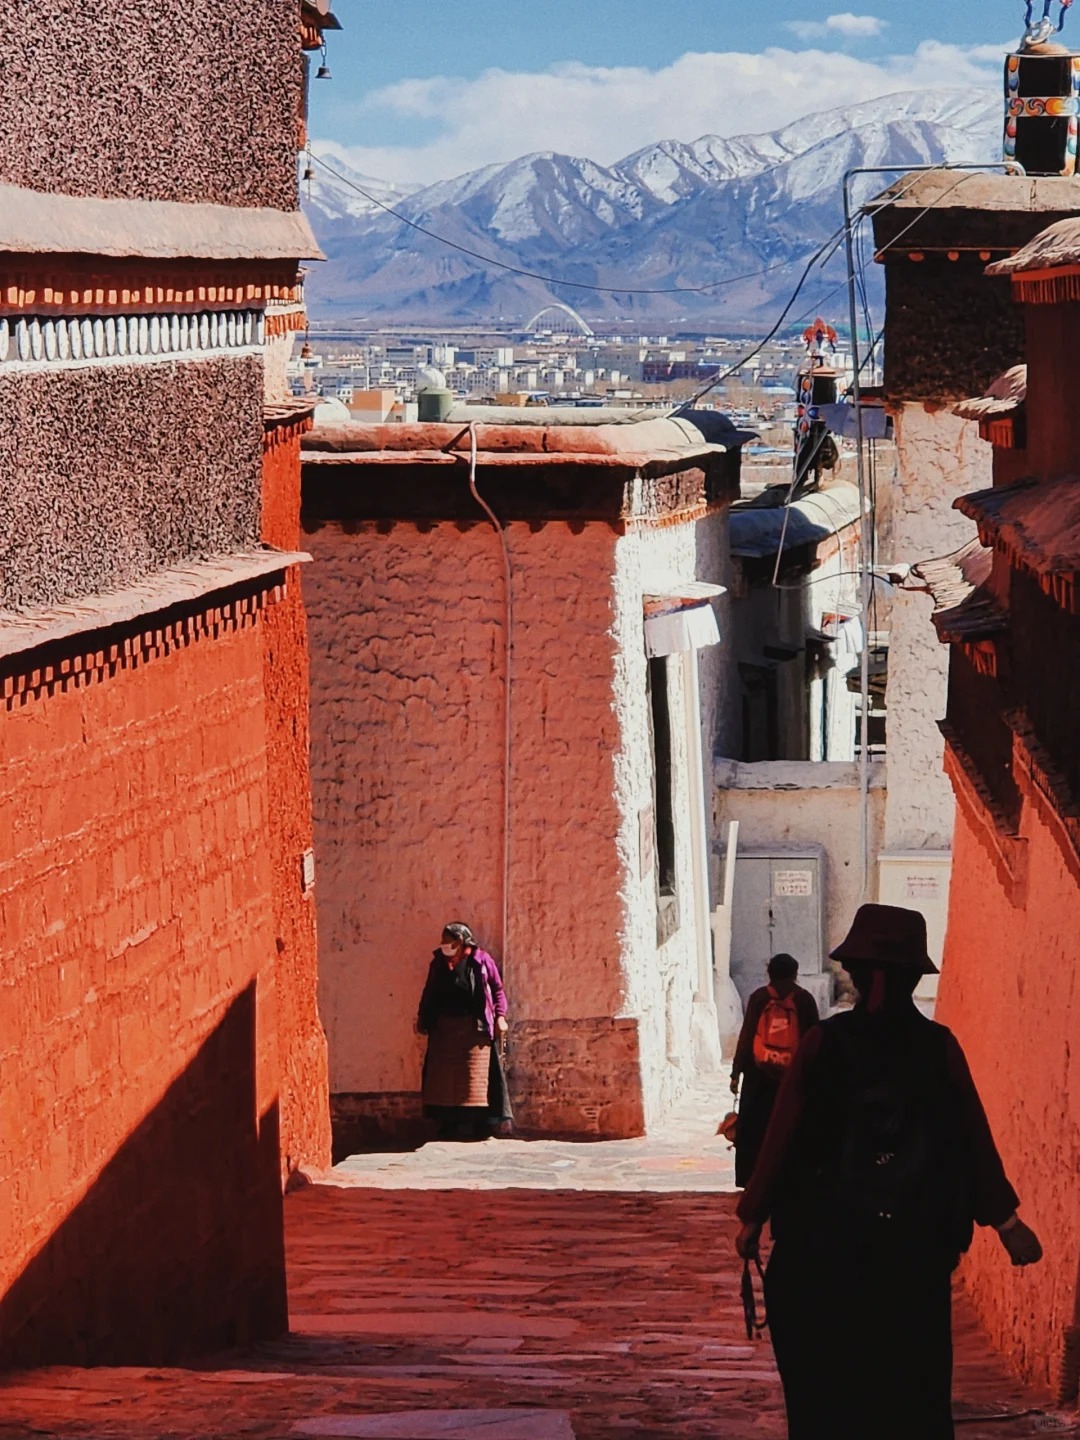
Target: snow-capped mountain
(671, 215)
(336, 194)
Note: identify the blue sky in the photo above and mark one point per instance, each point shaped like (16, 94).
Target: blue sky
(426, 90)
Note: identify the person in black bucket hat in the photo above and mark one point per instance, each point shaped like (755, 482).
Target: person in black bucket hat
(876, 1167)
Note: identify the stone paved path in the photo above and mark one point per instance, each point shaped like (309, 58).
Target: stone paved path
(687, 1155)
(495, 1290)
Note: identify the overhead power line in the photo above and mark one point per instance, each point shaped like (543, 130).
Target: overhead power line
(833, 241)
(745, 359)
(823, 254)
(535, 275)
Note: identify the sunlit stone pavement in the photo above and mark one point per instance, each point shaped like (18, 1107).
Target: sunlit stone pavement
(507, 1290)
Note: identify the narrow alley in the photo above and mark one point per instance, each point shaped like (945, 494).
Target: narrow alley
(512, 1290)
(470, 616)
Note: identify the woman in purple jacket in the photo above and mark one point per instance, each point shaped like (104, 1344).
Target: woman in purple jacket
(463, 1014)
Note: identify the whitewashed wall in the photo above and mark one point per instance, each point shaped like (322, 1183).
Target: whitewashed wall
(660, 983)
(792, 803)
(939, 457)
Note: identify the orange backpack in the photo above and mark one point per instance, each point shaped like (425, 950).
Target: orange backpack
(777, 1035)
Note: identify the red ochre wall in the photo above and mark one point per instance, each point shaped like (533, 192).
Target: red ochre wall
(161, 1055)
(139, 1147)
(1010, 990)
(305, 1111)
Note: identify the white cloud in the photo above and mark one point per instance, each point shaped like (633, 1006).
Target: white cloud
(846, 25)
(606, 113)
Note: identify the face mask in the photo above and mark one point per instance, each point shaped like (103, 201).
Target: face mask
(449, 951)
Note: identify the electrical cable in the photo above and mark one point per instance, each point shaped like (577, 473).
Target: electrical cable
(866, 586)
(837, 235)
(745, 360)
(868, 462)
(834, 533)
(843, 575)
(891, 245)
(868, 472)
(872, 444)
(800, 475)
(864, 298)
(535, 275)
(508, 730)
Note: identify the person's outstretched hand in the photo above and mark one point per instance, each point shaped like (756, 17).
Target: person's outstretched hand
(748, 1242)
(1021, 1242)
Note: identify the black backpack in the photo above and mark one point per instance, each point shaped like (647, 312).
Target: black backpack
(891, 1154)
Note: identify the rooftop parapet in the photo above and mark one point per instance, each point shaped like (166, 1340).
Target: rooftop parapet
(655, 471)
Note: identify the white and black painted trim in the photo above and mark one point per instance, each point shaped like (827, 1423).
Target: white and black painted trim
(49, 339)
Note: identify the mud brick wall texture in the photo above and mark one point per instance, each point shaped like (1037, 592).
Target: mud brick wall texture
(139, 1134)
(185, 100)
(952, 329)
(407, 672)
(1009, 991)
(305, 1116)
(408, 763)
(577, 1077)
(573, 1078)
(939, 458)
(111, 472)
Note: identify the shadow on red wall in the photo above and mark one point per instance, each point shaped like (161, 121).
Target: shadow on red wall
(177, 1249)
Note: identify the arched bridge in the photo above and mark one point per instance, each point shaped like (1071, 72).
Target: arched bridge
(583, 325)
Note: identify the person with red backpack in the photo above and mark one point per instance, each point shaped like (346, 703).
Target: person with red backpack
(777, 1017)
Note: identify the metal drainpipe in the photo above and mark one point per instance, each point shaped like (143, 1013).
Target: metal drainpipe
(866, 579)
(699, 826)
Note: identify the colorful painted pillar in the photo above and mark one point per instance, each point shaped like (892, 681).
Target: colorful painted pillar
(1042, 98)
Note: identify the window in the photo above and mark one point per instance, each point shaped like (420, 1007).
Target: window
(760, 713)
(663, 800)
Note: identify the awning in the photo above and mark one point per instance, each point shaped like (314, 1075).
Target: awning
(757, 530)
(681, 619)
(1005, 395)
(694, 629)
(963, 607)
(1035, 523)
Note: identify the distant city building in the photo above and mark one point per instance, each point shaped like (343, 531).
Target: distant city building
(659, 372)
(372, 406)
